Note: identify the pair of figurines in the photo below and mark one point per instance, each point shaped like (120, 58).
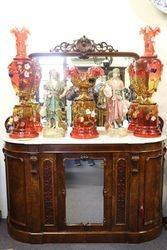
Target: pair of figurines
(112, 94)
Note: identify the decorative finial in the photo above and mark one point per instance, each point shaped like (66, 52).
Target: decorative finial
(21, 36)
(148, 35)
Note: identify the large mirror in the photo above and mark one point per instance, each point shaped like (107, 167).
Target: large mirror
(83, 53)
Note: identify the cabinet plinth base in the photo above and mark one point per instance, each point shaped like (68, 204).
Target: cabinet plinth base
(83, 237)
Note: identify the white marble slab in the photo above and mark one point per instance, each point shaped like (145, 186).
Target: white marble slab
(102, 139)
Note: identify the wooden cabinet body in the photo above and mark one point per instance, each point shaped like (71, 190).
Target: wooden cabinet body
(132, 192)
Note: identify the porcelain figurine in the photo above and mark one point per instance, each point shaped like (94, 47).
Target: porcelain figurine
(114, 92)
(101, 98)
(54, 108)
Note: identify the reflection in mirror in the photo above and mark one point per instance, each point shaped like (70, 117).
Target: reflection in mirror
(84, 190)
(47, 64)
(62, 63)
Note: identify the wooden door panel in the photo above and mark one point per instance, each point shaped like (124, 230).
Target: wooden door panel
(120, 191)
(48, 170)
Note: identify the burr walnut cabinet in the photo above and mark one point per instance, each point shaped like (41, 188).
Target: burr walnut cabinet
(96, 190)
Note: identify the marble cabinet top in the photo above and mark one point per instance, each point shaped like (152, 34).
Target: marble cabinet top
(102, 139)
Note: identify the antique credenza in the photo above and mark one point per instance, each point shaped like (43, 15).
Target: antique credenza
(132, 189)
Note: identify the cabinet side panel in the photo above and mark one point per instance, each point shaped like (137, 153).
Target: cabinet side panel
(16, 189)
(152, 190)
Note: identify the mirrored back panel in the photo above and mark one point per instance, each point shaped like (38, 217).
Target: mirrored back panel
(83, 54)
(60, 64)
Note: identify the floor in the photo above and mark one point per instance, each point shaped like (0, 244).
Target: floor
(7, 243)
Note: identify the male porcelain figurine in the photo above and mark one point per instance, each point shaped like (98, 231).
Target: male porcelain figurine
(53, 107)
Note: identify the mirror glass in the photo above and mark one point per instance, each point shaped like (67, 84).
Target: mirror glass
(61, 63)
(84, 190)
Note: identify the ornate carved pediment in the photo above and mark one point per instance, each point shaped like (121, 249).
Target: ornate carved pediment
(83, 46)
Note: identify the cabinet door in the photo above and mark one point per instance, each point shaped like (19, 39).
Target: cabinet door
(151, 191)
(85, 187)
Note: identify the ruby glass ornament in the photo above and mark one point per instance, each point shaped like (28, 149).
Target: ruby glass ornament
(145, 74)
(84, 106)
(147, 121)
(25, 76)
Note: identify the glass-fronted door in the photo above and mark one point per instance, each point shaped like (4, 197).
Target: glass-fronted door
(84, 181)
(84, 191)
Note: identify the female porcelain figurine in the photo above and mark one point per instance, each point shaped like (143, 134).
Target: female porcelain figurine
(114, 92)
(99, 87)
(53, 107)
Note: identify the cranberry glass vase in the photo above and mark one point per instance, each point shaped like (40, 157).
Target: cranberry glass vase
(145, 74)
(84, 106)
(25, 76)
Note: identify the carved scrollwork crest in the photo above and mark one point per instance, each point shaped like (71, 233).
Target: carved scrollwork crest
(83, 46)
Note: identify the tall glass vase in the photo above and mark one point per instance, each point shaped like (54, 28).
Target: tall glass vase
(84, 106)
(146, 74)
(25, 76)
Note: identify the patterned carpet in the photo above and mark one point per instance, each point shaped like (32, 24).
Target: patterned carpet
(7, 243)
